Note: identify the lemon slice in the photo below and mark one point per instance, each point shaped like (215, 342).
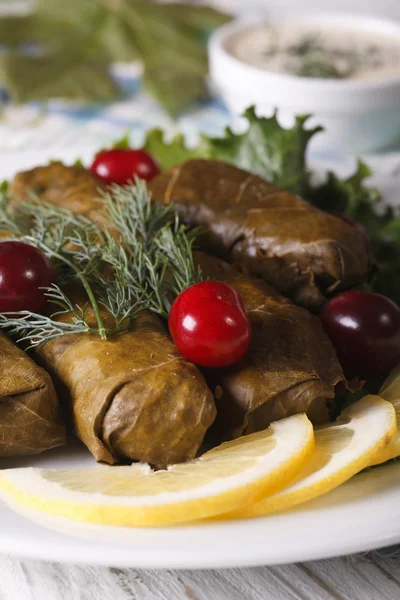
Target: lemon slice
(342, 449)
(232, 475)
(390, 391)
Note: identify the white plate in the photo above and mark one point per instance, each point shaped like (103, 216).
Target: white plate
(361, 515)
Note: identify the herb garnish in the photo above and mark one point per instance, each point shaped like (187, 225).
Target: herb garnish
(143, 264)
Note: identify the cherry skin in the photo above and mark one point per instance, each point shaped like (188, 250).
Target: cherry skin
(23, 270)
(209, 325)
(365, 330)
(120, 165)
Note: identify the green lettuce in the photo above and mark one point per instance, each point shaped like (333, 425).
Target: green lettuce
(279, 154)
(265, 148)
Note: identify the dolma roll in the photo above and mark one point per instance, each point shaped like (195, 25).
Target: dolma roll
(303, 252)
(132, 396)
(30, 420)
(74, 188)
(291, 366)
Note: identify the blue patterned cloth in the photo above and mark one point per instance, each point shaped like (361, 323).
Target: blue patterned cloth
(58, 123)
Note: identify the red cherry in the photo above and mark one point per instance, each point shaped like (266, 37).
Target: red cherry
(120, 165)
(365, 330)
(209, 325)
(23, 270)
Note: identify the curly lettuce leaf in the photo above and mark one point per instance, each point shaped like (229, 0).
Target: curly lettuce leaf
(279, 154)
(352, 198)
(356, 200)
(269, 150)
(174, 152)
(265, 148)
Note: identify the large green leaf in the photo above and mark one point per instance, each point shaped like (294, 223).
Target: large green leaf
(71, 11)
(200, 17)
(14, 30)
(174, 90)
(57, 77)
(168, 39)
(174, 60)
(117, 39)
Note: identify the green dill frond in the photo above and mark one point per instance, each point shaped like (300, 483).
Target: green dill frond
(144, 267)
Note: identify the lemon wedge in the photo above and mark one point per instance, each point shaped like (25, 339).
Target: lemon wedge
(342, 449)
(390, 391)
(232, 475)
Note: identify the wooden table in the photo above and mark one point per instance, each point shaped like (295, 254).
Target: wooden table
(368, 577)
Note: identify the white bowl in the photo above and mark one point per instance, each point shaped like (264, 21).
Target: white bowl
(358, 115)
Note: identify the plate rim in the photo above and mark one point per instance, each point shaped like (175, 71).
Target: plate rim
(18, 532)
(356, 523)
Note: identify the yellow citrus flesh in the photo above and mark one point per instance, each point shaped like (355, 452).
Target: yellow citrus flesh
(233, 475)
(342, 449)
(390, 391)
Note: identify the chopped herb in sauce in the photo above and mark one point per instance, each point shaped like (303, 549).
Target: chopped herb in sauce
(311, 57)
(322, 53)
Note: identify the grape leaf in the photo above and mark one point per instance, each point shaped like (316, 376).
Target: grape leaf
(40, 78)
(117, 40)
(352, 198)
(279, 155)
(175, 65)
(15, 30)
(168, 39)
(173, 89)
(69, 11)
(200, 17)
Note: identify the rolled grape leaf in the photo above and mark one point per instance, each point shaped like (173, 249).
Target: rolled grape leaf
(73, 188)
(303, 252)
(291, 366)
(133, 396)
(30, 420)
(42, 77)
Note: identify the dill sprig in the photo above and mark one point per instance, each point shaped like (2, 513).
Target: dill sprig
(143, 262)
(155, 248)
(175, 245)
(70, 241)
(36, 329)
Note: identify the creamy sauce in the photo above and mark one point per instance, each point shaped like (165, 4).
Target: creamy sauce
(319, 51)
